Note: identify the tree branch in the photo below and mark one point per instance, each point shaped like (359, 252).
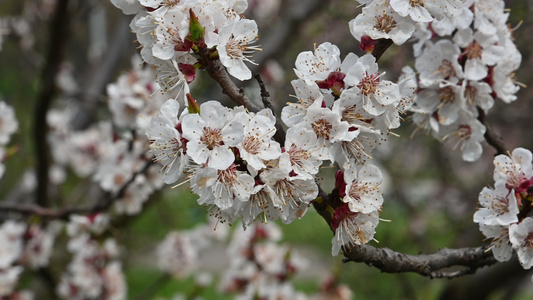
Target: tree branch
(429, 265)
(389, 261)
(56, 47)
(64, 213)
(267, 103)
(217, 71)
(491, 136)
(380, 47)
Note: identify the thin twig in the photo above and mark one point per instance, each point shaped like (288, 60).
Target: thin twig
(491, 136)
(64, 213)
(267, 103)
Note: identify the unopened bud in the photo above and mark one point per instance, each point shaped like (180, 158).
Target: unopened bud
(367, 44)
(193, 106)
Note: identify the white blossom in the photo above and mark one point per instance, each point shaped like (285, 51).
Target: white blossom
(500, 246)
(362, 188)
(499, 206)
(257, 144)
(379, 21)
(353, 228)
(211, 134)
(521, 237)
(235, 46)
(312, 66)
(166, 143)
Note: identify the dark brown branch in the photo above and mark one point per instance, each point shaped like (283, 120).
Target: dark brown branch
(491, 136)
(267, 103)
(106, 202)
(380, 47)
(217, 71)
(389, 261)
(64, 213)
(56, 48)
(43, 211)
(429, 265)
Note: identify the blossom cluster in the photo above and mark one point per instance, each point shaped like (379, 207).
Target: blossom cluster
(344, 110)
(238, 170)
(465, 62)
(172, 33)
(258, 264)
(397, 19)
(260, 267)
(94, 271)
(23, 246)
(113, 153)
(504, 214)
(231, 160)
(180, 252)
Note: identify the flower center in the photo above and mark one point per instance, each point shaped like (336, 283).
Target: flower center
(356, 149)
(353, 229)
(446, 95)
(170, 3)
(251, 144)
(234, 48)
(500, 205)
(322, 128)
(414, 3)
(357, 190)
(384, 23)
(119, 179)
(446, 69)
(287, 192)
(528, 242)
(473, 50)
(168, 149)
(241, 49)
(297, 155)
(369, 84)
(211, 138)
(228, 176)
(464, 131)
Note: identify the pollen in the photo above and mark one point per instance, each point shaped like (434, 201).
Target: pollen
(211, 138)
(446, 95)
(446, 69)
(369, 84)
(322, 128)
(473, 50)
(252, 144)
(384, 23)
